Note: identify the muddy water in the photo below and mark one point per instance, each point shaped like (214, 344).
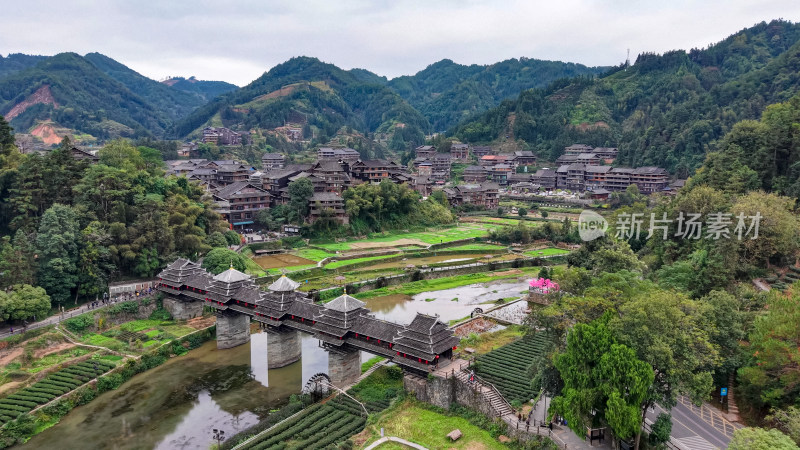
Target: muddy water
(402, 308)
(280, 260)
(175, 405)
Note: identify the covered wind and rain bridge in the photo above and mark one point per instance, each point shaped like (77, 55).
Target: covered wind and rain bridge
(343, 326)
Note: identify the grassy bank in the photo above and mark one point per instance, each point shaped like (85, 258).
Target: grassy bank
(547, 252)
(433, 236)
(486, 342)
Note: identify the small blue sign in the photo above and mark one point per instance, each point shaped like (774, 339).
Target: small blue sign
(723, 392)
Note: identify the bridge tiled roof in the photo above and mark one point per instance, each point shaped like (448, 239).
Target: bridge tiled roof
(284, 284)
(425, 337)
(345, 303)
(376, 328)
(335, 323)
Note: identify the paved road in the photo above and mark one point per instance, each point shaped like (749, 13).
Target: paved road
(691, 432)
(52, 320)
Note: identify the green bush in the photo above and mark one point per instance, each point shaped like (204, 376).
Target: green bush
(79, 324)
(131, 307)
(160, 314)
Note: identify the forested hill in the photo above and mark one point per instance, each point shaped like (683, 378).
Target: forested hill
(16, 62)
(74, 93)
(209, 90)
(93, 95)
(446, 92)
(667, 110)
(174, 103)
(319, 95)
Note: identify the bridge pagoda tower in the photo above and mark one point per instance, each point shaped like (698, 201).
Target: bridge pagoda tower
(283, 343)
(180, 299)
(233, 327)
(335, 320)
(426, 341)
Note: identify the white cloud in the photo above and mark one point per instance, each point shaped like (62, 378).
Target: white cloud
(237, 41)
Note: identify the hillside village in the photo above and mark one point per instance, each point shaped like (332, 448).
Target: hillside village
(241, 190)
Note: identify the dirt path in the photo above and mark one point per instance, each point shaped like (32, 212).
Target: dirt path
(53, 349)
(198, 323)
(10, 355)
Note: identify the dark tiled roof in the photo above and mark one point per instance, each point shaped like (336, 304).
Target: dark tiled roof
(625, 170)
(424, 323)
(327, 166)
(649, 171)
(545, 173)
(598, 169)
(272, 156)
(325, 197)
(376, 328)
(233, 188)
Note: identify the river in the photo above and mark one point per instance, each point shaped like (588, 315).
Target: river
(176, 405)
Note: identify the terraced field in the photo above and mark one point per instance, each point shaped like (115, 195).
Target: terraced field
(318, 427)
(507, 367)
(327, 425)
(55, 385)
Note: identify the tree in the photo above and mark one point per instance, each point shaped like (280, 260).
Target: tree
(773, 376)
(94, 260)
(605, 254)
(217, 239)
(788, 421)
(778, 227)
(604, 382)
(17, 260)
(300, 192)
(760, 439)
(440, 197)
(500, 211)
(724, 312)
(147, 262)
(661, 429)
(522, 212)
(233, 237)
(545, 214)
(6, 134)
(121, 155)
(57, 246)
(544, 272)
(221, 259)
(668, 331)
(24, 302)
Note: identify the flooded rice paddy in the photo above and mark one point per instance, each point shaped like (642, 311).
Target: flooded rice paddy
(280, 260)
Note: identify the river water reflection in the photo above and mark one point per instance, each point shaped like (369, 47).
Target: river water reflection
(176, 405)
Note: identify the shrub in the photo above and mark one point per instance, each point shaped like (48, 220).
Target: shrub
(160, 314)
(79, 324)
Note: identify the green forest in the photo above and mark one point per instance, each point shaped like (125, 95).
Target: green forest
(69, 227)
(664, 110)
(681, 316)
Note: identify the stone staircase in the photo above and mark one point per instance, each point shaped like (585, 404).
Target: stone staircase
(733, 410)
(489, 393)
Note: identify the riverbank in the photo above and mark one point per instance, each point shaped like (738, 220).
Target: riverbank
(29, 425)
(438, 284)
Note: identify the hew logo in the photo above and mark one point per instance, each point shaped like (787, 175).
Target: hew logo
(591, 225)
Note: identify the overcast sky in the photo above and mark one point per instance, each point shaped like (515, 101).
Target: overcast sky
(236, 41)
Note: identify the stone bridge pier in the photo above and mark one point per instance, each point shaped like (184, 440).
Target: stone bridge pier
(232, 329)
(283, 347)
(181, 309)
(344, 366)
